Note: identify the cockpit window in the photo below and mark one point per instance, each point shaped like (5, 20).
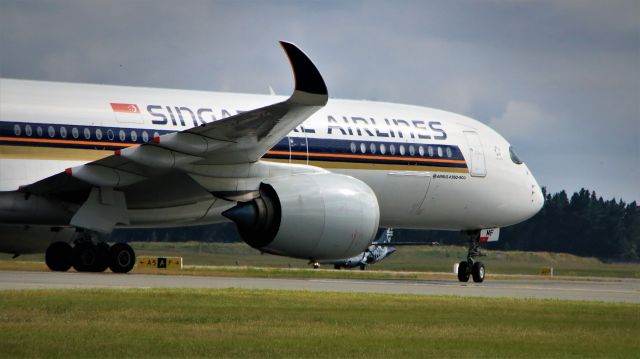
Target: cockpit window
(514, 157)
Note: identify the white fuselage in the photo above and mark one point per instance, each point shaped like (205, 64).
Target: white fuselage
(446, 171)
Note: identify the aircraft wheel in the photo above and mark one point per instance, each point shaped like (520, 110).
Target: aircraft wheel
(463, 271)
(362, 267)
(58, 256)
(85, 256)
(102, 257)
(336, 266)
(477, 271)
(122, 258)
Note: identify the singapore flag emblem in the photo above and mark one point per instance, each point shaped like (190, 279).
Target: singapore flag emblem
(126, 112)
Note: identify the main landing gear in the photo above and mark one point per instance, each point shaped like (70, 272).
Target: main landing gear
(472, 267)
(86, 256)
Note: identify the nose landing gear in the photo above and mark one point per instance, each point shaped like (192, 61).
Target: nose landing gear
(472, 267)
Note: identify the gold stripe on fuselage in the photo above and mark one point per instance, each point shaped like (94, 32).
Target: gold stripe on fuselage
(370, 166)
(76, 154)
(52, 153)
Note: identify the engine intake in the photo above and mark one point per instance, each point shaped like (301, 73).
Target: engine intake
(312, 216)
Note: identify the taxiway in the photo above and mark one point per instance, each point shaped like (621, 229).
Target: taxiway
(615, 290)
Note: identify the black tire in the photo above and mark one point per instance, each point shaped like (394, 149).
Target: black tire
(336, 266)
(102, 258)
(477, 271)
(362, 267)
(463, 271)
(85, 257)
(122, 258)
(59, 256)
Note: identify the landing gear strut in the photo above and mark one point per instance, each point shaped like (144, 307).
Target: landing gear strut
(87, 256)
(472, 267)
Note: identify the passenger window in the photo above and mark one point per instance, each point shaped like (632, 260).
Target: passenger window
(74, 132)
(98, 133)
(383, 148)
(63, 132)
(421, 151)
(449, 153)
(412, 151)
(430, 151)
(439, 151)
(353, 147)
(401, 150)
(87, 133)
(363, 148)
(392, 149)
(372, 148)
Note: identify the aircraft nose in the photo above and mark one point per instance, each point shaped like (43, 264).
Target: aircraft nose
(525, 199)
(537, 198)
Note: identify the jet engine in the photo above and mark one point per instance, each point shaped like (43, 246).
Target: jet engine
(312, 216)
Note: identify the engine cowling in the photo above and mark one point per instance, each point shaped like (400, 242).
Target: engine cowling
(312, 216)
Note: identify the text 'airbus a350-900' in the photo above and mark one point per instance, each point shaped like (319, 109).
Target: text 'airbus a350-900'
(304, 176)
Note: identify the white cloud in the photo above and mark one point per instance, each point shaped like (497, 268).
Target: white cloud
(520, 120)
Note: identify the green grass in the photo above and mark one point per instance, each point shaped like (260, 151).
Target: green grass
(409, 258)
(406, 259)
(263, 323)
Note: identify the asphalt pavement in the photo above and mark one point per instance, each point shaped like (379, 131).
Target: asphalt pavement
(607, 290)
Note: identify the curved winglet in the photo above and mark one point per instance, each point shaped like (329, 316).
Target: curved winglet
(307, 76)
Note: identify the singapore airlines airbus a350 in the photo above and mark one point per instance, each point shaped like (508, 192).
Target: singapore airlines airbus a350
(304, 176)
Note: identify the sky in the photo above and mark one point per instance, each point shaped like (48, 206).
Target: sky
(559, 79)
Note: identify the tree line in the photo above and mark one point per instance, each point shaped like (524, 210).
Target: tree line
(585, 225)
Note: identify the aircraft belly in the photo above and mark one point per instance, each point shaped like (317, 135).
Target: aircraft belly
(19, 172)
(208, 211)
(432, 203)
(24, 239)
(401, 195)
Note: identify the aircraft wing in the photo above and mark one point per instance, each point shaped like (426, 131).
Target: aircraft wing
(243, 138)
(100, 193)
(247, 137)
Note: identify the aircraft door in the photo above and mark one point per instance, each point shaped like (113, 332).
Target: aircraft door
(298, 146)
(476, 155)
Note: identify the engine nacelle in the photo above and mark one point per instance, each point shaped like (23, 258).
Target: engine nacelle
(312, 216)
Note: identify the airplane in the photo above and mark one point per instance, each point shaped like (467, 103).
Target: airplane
(375, 253)
(304, 176)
